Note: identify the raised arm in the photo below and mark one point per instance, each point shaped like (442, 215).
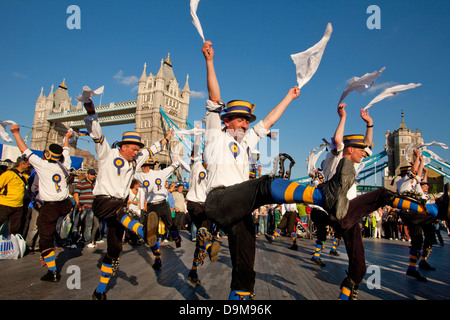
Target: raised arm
(15, 130)
(369, 127)
(211, 78)
(276, 112)
(339, 133)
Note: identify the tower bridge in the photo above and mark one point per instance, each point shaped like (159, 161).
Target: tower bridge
(55, 114)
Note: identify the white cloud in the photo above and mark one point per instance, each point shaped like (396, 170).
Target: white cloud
(19, 75)
(198, 94)
(127, 81)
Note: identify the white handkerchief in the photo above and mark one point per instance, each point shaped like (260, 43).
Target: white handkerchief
(361, 84)
(194, 18)
(3, 134)
(88, 93)
(313, 157)
(307, 62)
(192, 132)
(433, 143)
(391, 92)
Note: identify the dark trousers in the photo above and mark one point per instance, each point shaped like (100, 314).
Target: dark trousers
(288, 221)
(108, 209)
(198, 215)
(231, 209)
(47, 220)
(321, 220)
(350, 230)
(421, 229)
(162, 210)
(14, 217)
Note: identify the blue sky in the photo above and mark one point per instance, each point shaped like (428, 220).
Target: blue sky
(253, 41)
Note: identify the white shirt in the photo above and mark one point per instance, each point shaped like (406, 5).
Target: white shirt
(153, 182)
(52, 178)
(408, 184)
(139, 198)
(197, 182)
(114, 172)
(329, 166)
(228, 161)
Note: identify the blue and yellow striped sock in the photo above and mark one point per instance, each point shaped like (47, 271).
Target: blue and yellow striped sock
(196, 261)
(239, 295)
(404, 204)
(285, 191)
(413, 256)
(318, 249)
(334, 246)
(156, 252)
(275, 234)
(175, 236)
(105, 276)
(132, 225)
(345, 294)
(50, 261)
(294, 236)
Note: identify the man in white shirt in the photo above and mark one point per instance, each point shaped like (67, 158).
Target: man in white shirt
(54, 194)
(153, 182)
(116, 168)
(421, 229)
(232, 197)
(195, 198)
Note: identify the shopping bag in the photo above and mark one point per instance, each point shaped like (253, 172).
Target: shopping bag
(9, 248)
(66, 226)
(22, 244)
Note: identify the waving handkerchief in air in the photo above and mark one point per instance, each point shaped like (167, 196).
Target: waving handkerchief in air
(3, 134)
(194, 18)
(391, 92)
(88, 93)
(361, 84)
(307, 62)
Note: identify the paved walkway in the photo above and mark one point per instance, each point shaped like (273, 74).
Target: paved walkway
(282, 274)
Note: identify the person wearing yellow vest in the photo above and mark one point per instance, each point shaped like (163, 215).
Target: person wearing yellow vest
(12, 192)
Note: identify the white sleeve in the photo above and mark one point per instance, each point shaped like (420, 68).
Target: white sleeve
(95, 132)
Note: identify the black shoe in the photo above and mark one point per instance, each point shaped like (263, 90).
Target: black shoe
(193, 277)
(293, 247)
(426, 266)
(51, 276)
(151, 234)
(334, 253)
(335, 190)
(98, 295)
(318, 262)
(157, 265)
(416, 274)
(269, 237)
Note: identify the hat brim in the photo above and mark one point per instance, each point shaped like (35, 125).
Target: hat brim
(250, 117)
(121, 143)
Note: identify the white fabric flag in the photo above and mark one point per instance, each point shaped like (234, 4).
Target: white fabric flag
(391, 92)
(307, 62)
(192, 132)
(88, 93)
(3, 134)
(433, 143)
(361, 84)
(194, 18)
(313, 157)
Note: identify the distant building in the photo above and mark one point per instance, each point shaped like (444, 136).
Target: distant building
(55, 114)
(397, 143)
